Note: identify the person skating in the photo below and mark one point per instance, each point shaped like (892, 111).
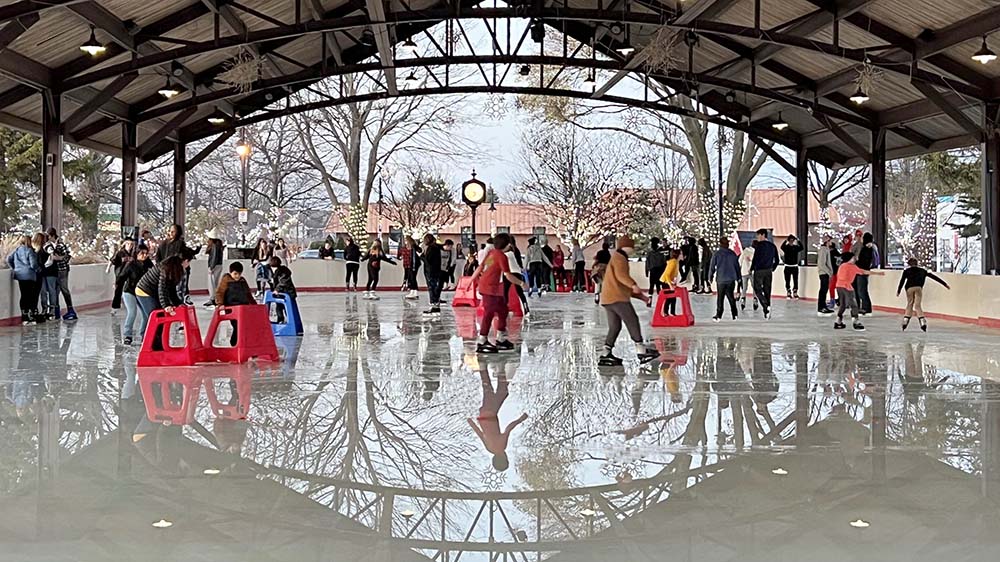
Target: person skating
(262, 272)
(597, 270)
(233, 290)
(375, 257)
(282, 284)
(471, 263)
(24, 266)
(549, 255)
(537, 262)
(559, 268)
(432, 273)
(352, 263)
(824, 267)
(448, 261)
(129, 278)
(790, 250)
(213, 249)
(516, 263)
(175, 245)
(670, 279)
(746, 275)
(409, 256)
(159, 288)
(282, 251)
(327, 252)
(725, 269)
(125, 254)
(579, 264)
(913, 279)
(765, 262)
(490, 273)
(866, 258)
(616, 295)
(705, 262)
(846, 275)
(48, 280)
(692, 264)
(59, 253)
(656, 262)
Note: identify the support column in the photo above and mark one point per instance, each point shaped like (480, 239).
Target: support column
(880, 208)
(991, 189)
(130, 193)
(180, 182)
(52, 167)
(802, 199)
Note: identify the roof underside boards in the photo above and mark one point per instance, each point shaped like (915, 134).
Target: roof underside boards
(805, 52)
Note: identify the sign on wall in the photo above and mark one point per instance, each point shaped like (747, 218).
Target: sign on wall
(109, 217)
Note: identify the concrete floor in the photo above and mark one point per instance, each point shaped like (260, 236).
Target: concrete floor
(372, 439)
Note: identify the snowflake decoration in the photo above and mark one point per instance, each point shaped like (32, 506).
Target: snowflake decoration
(242, 71)
(869, 76)
(493, 480)
(659, 53)
(632, 119)
(495, 108)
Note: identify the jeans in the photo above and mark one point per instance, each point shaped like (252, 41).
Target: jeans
(434, 289)
(352, 273)
(50, 294)
(762, 288)
(131, 303)
(791, 278)
(146, 307)
(861, 292)
(214, 276)
(824, 286)
(493, 307)
(536, 272)
(725, 292)
(619, 313)
(847, 299)
(64, 289)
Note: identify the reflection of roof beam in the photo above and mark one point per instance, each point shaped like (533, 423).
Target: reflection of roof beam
(704, 9)
(376, 12)
(956, 114)
(816, 21)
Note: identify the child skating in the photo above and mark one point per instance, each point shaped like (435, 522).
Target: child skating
(845, 291)
(490, 274)
(913, 279)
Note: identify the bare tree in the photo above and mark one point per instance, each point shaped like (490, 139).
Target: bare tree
(423, 203)
(581, 182)
(827, 185)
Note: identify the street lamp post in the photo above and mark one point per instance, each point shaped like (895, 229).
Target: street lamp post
(473, 195)
(243, 151)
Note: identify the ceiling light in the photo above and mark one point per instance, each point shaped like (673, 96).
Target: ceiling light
(984, 55)
(731, 97)
(860, 524)
(626, 50)
(168, 90)
(859, 96)
(211, 471)
(411, 78)
(779, 472)
(780, 124)
(409, 48)
(588, 513)
(590, 78)
(217, 118)
(407, 513)
(525, 70)
(537, 31)
(616, 28)
(92, 47)
(162, 524)
(368, 38)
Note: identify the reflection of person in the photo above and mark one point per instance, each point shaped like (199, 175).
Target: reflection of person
(488, 428)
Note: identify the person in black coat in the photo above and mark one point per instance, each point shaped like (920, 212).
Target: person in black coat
(432, 271)
(121, 259)
(281, 283)
(352, 258)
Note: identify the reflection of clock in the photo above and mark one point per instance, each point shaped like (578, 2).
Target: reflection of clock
(473, 192)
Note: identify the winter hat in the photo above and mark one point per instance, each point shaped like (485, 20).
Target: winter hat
(213, 234)
(626, 242)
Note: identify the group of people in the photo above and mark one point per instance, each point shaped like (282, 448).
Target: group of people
(40, 266)
(692, 261)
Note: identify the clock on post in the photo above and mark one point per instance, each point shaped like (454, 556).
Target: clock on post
(473, 195)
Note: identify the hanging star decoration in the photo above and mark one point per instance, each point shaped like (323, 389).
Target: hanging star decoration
(869, 77)
(660, 52)
(493, 480)
(242, 71)
(495, 108)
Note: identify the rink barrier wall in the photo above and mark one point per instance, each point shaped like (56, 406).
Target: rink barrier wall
(974, 299)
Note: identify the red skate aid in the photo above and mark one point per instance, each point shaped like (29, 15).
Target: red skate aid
(254, 338)
(240, 390)
(170, 394)
(514, 302)
(682, 320)
(465, 293)
(160, 321)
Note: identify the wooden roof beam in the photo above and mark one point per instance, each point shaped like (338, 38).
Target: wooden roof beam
(95, 103)
(704, 9)
(31, 7)
(956, 114)
(971, 27)
(316, 7)
(845, 137)
(10, 32)
(376, 12)
(175, 123)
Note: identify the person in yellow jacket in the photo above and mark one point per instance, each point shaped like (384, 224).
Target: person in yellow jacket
(616, 294)
(671, 277)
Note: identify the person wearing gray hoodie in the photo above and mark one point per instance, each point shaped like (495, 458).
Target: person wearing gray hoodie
(824, 266)
(537, 263)
(725, 268)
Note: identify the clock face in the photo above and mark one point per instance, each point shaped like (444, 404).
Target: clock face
(475, 192)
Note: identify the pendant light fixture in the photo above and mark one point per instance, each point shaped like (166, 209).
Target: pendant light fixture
(92, 47)
(780, 124)
(859, 96)
(409, 48)
(168, 90)
(984, 55)
(217, 117)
